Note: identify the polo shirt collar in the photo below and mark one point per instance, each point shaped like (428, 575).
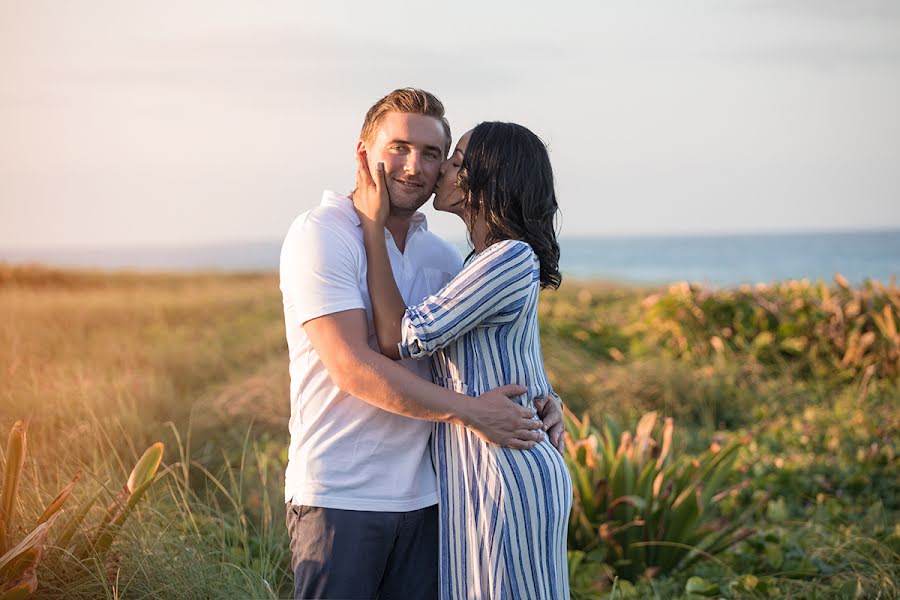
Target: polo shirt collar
(418, 221)
(342, 203)
(345, 205)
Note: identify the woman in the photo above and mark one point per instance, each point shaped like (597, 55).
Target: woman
(503, 511)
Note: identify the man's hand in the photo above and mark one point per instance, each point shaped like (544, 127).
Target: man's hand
(550, 411)
(498, 420)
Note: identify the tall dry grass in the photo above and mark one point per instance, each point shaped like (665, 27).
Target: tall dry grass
(101, 365)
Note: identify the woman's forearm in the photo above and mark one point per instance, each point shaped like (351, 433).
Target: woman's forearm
(388, 306)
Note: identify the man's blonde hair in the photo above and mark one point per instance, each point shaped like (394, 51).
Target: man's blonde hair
(406, 100)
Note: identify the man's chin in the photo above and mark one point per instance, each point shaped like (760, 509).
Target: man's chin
(402, 207)
(409, 199)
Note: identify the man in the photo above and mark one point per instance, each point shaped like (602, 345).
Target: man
(360, 488)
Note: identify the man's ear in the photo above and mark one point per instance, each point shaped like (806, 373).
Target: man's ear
(361, 146)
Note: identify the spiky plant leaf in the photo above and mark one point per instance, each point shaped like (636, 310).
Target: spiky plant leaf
(139, 481)
(12, 473)
(146, 467)
(34, 539)
(57, 503)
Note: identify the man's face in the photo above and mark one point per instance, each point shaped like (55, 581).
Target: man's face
(412, 148)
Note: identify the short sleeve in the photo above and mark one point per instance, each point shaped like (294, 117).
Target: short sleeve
(320, 270)
(490, 290)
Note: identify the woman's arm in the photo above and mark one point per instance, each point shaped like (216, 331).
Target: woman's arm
(373, 206)
(491, 290)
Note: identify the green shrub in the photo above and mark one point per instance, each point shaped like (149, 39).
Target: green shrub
(638, 510)
(811, 329)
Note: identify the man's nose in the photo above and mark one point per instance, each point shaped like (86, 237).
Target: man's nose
(412, 163)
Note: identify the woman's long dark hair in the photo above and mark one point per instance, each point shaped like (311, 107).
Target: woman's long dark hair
(507, 178)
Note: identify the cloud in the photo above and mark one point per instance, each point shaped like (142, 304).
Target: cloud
(828, 9)
(813, 34)
(823, 54)
(286, 61)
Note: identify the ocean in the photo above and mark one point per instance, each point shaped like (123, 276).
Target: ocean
(718, 260)
(726, 260)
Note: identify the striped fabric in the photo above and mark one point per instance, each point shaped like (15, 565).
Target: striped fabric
(503, 512)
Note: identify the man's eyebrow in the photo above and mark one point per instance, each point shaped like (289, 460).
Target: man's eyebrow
(409, 143)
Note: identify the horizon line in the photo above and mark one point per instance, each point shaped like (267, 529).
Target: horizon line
(456, 240)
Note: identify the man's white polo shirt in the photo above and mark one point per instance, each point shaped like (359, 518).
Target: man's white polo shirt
(346, 453)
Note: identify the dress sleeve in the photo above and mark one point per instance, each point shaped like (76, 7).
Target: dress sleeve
(490, 290)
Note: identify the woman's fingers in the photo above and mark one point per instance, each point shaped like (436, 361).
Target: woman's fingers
(360, 173)
(363, 162)
(379, 177)
(553, 421)
(558, 443)
(382, 189)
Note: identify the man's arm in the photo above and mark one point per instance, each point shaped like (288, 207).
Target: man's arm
(341, 339)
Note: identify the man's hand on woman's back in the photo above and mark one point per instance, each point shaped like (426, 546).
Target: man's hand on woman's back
(498, 420)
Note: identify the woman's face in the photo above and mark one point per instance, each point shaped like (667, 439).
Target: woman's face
(447, 195)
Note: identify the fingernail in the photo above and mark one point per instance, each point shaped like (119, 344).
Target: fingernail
(381, 166)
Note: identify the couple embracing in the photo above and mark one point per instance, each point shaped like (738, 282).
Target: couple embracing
(426, 442)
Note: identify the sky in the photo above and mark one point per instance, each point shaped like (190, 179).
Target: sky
(196, 122)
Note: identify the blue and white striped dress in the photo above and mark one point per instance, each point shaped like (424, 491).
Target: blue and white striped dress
(503, 512)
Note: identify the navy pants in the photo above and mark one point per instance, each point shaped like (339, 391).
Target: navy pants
(362, 555)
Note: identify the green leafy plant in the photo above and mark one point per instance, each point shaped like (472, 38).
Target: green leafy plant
(836, 332)
(637, 508)
(19, 564)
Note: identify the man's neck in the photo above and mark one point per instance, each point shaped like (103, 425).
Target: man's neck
(398, 225)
